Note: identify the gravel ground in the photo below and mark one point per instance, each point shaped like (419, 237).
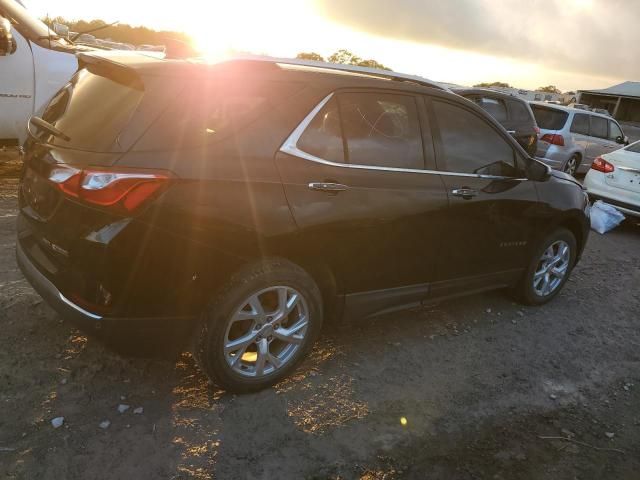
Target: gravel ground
(470, 389)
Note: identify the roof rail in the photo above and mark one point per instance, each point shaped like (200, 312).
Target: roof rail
(374, 72)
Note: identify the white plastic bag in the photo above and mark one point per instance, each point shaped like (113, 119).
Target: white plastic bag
(604, 217)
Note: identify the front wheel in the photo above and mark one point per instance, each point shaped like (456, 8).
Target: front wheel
(260, 326)
(549, 268)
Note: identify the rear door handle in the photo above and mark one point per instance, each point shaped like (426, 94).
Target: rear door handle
(511, 132)
(464, 192)
(328, 187)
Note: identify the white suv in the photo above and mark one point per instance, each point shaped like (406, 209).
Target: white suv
(615, 178)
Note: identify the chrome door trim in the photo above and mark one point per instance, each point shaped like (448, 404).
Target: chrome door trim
(290, 146)
(628, 169)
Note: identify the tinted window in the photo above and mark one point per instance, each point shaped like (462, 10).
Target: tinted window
(580, 124)
(614, 131)
(470, 144)
(382, 130)
(93, 109)
(549, 118)
(598, 127)
(494, 107)
(323, 136)
(519, 112)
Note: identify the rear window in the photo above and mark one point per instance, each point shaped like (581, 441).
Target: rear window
(519, 112)
(549, 118)
(634, 147)
(213, 109)
(493, 106)
(93, 109)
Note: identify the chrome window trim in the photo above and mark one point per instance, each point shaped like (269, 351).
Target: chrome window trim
(290, 146)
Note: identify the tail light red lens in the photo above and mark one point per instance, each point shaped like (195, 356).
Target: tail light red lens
(553, 138)
(601, 165)
(123, 191)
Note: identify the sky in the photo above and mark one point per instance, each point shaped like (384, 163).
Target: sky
(573, 44)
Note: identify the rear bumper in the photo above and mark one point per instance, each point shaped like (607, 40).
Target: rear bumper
(136, 329)
(598, 189)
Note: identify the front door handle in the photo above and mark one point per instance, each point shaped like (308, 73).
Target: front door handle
(328, 187)
(464, 192)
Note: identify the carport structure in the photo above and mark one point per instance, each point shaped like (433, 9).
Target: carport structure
(622, 101)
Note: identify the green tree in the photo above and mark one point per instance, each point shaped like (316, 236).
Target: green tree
(493, 84)
(346, 57)
(311, 56)
(549, 89)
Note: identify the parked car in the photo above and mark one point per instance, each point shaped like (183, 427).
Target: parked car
(580, 106)
(571, 139)
(615, 178)
(240, 204)
(603, 111)
(513, 113)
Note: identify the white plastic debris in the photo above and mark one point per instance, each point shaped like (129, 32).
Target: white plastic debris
(610, 434)
(138, 411)
(57, 422)
(104, 424)
(123, 408)
(604, 217)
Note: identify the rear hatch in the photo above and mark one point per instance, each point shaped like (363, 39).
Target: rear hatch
(627, 168)
(550, 120)
(72, 200)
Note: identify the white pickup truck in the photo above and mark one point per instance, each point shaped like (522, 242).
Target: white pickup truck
(34, 64)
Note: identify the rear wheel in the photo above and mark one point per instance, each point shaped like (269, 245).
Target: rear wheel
(549, 268)
(260, 326)
(571, 167)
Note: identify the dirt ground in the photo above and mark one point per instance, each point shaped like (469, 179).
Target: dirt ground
(469, 389)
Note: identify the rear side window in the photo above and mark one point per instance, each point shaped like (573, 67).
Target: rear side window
(470, 144)
(614, 131)
(598, 127)
(519, 112)
(549, 118)
(580, 124)
(381, 130)
(323, 136)
(493, 106)
(94, 108)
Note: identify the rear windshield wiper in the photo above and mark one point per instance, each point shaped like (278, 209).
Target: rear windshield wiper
(44, 125)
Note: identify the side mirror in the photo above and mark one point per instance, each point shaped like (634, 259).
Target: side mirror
(537, 171)
(7, 42)
(622, 140)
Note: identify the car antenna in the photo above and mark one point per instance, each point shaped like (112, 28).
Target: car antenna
(106, 25)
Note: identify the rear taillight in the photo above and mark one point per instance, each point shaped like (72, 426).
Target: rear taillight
(601, 165)
(553, 138)
(122, 191)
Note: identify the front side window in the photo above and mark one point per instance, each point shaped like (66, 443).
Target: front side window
(381, 129)
(614, 131)
(598, 127)
(470, 144)
(580, 124)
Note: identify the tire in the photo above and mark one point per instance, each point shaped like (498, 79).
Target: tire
(571, 167)
(530, 289)
(252, 309)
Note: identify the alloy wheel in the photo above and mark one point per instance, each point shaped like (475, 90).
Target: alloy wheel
(552, 268)
(266, 331)
(571, 166)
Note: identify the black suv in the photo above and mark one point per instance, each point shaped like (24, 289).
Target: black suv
(513, 113)
(240, 204)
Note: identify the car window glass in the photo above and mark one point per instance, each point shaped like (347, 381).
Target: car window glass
(580, 124)
(470, 144)
(519, 112)
(382, 130)
(598, 127)
(614, 131)
(634, 147)
(323, 136)
(493, 106)
(549, 118)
